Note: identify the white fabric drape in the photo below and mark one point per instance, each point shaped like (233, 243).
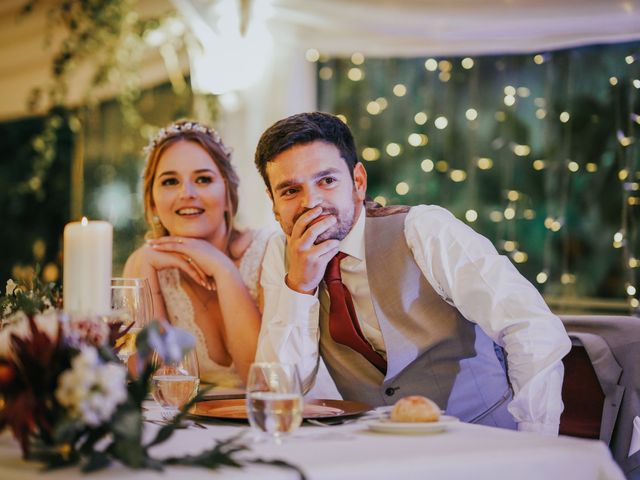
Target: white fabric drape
(457, 27)
(399, 28)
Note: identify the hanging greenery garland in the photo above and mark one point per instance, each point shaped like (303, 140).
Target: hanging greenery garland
(107, 36)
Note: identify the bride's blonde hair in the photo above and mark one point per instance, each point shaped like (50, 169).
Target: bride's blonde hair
(210, 141)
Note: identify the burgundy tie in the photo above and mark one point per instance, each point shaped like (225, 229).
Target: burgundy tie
(343, 322)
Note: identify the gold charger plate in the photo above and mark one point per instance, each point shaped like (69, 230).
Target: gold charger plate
(235, 409)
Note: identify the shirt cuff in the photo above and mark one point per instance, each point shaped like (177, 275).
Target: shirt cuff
(549, 429)
(300, 308)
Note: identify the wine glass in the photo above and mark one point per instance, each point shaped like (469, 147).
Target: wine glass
(274, 399)
(174, 384)
(130, 304)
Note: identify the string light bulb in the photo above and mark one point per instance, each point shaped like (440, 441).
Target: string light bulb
(420, 118)
(485, 163)
(357, 58)
(402, 188)
(458, 175)
(542, 277)
(373, 108)
(509, 213)
(393, 149)
(399, 90)
(520, 257)
(381, 200)
(471, 215)
(467, 63)
(355, 74)
(312, 55)
(431, 65)
(427, 165)
(441, 122)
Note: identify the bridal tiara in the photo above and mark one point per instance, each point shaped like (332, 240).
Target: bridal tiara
(185, 127)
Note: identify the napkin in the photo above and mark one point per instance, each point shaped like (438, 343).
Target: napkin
(634, 446)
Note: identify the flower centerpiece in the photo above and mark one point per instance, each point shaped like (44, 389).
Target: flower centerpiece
(68, 399)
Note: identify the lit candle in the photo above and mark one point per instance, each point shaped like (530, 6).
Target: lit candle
(87, 267)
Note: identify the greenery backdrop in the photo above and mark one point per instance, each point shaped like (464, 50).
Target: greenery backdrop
(32, 212)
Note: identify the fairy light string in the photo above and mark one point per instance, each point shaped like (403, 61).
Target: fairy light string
(510, 145)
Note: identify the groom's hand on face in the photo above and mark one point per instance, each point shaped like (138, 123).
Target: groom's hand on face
(308, 260)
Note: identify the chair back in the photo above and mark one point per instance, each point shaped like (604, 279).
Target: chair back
(611, 344)
(582, 396)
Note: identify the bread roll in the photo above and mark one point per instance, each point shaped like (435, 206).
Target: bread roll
(415, 408)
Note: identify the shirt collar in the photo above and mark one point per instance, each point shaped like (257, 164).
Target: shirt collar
(353, 243)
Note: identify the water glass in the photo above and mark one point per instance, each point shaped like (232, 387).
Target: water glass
(131, 305)
(274, 399)
(174, 384)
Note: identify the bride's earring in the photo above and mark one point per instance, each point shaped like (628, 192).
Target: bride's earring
(156, 226)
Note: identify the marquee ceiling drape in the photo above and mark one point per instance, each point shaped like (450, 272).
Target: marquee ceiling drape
(458, 27)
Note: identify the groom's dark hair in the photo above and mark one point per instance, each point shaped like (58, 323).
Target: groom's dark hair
(301, 129)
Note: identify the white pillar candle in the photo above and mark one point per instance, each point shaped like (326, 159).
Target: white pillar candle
(87, 267)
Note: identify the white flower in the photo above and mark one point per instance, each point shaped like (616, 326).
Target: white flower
(11, 286)
(92, 390)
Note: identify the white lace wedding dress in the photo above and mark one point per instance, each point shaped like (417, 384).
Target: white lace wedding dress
(181, 313)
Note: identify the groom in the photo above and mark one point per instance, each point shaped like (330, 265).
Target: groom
(397, 301)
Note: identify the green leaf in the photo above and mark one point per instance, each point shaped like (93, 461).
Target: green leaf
(164, 433)
(67, 430)
(127, 424)
(52, 455)
(97, 461)
(218, 456)
(139, 387)
(222, 455)
(281, 464)
(94, 435)
(167, 430)
(131, 453)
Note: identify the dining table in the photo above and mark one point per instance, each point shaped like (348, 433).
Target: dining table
(349, 449)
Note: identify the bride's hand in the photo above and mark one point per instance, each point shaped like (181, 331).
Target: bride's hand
(196, 251)
(161, 260)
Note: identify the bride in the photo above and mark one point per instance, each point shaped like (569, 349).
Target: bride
(204, 273)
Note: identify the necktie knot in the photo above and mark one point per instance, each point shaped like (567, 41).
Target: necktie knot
(332, 273)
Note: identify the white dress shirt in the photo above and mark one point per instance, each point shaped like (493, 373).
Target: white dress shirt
(464, 268)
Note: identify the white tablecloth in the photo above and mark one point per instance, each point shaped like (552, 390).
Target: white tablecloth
(351, 451)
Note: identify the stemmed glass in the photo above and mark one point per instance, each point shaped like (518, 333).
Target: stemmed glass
(175, 383)
(130, 304)
(274, 399)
